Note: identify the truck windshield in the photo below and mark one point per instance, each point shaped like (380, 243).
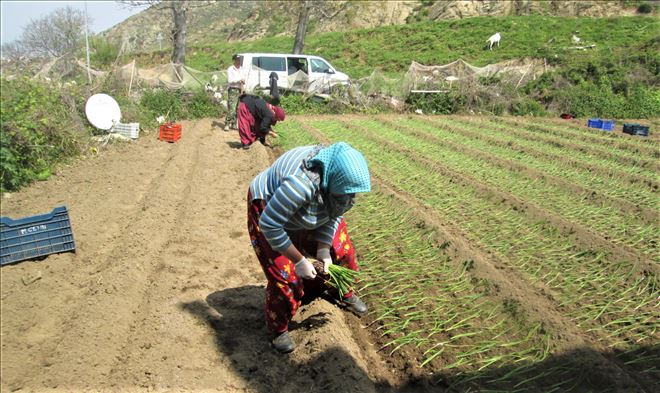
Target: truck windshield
(319, 65)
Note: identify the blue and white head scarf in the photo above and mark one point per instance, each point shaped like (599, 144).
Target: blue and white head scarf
(342, 172)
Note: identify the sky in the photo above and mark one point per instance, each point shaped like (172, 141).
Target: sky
(17, 14)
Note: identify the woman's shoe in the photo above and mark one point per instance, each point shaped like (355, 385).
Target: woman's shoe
(283, 343)
(355, 304)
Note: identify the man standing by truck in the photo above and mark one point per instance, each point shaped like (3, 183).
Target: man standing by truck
(236, 84)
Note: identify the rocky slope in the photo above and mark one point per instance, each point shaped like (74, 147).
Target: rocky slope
(248, 20)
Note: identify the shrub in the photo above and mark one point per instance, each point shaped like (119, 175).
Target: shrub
(437, 103)
(645, 8)
(104, 52)
(299, 104)
(527, 107)
(163, 102)
(38, 131)
(201, 105)
(643, 103)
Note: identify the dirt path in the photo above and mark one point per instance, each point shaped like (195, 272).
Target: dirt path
(164, 292)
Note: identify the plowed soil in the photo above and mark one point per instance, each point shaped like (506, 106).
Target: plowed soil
(164, 292)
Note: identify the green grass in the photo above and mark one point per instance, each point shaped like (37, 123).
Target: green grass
(391, 49)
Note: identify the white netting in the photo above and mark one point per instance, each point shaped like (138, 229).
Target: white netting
(169, 75)
(418, 78)
(442, 78)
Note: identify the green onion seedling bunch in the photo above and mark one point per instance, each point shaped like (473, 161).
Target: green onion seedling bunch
(339, 277)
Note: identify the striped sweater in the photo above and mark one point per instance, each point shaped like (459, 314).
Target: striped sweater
(291, 203)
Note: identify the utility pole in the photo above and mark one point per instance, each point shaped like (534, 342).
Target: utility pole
(89, 75)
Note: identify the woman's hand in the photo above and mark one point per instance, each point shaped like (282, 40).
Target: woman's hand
(304, 269)
(323, 255)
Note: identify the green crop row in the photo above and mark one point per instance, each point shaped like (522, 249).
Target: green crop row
(560, 166)
(455, 326)
(615, 224)
(623, 182)
(292, 134)
(590, 135)
(406, 276)
(455, 322)
(629, 164)
(533, 247)
(616, 192)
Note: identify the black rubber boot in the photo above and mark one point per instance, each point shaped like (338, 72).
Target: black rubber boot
(355, 304)
(283, 343)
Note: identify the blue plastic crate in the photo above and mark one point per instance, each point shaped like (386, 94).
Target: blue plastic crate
(594, 123)
(35, 236)
(607, 125)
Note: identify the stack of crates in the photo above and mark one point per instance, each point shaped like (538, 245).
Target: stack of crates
(129, 130)
(635, 129)
(170, 132)
(35, 236)
(606, 125)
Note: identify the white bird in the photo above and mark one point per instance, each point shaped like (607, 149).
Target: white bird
(160, 119)
(419, 111)
(217, 95)
(495, 38)
(576, 39)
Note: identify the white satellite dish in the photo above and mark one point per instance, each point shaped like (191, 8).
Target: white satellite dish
(102, 111)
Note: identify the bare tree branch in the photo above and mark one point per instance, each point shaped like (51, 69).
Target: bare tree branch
(179, 9)
(319, 7)
(308, 7)
(56, 34)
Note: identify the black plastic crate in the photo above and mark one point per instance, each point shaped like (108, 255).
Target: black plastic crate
(641, 130)
(35, 236)
(629, 128)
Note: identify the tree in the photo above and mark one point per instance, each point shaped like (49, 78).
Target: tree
(316, 7)
(301, 30)
(179, 8)
(13, 51)
(55, 35)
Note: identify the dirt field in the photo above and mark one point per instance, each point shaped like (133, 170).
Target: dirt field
(164, 292)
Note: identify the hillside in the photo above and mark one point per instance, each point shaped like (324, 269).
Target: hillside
(617, 76)
(391, 49)
(248, 20)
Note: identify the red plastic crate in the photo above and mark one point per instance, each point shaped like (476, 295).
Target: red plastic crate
(170, 132)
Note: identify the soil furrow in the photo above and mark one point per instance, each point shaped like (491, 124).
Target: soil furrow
(126, 268)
